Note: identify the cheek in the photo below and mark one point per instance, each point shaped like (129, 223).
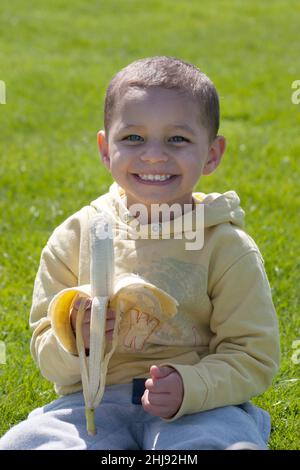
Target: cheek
(191, 164)
(123, 157)
(118, 165)
(119, 154)
(116, 160)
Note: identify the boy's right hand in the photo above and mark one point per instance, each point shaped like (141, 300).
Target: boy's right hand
(110, 321)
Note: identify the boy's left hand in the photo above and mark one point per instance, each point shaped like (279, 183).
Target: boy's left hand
(164, 392)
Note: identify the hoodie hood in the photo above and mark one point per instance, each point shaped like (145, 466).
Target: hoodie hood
(217, 209)
(221, 208)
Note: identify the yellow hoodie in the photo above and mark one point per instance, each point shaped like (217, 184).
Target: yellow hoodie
(210, 314)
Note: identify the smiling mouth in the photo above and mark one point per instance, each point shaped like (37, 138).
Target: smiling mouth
(154, 179)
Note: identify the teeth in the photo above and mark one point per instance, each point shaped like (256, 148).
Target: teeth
(155, 177)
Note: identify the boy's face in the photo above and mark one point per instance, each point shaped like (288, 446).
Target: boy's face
(158, 132)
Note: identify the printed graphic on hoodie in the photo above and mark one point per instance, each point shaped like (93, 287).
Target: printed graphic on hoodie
(142, 328)
(140, 331)
(185, 281)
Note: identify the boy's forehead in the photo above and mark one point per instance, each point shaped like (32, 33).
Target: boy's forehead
(138, 95)
(140, 102)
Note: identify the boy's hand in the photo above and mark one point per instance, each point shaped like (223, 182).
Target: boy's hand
(110, 321)
(164, 392)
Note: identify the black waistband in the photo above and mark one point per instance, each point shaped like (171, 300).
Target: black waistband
(138, 388)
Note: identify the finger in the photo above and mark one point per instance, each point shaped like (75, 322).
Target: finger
(159, 399)
(109, 335)
(87, 304)
(111, 314)
(160, 372)
(109, 325)
(78, 302)
(87, 313)
(109, 330)
(157, 386)
(155, 410)
(87, 317)
(148, 401)
(86, 335)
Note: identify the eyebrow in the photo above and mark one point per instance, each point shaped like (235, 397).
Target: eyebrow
(130, 126)
(183, 127)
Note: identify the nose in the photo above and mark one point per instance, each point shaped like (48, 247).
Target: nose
(154, 153)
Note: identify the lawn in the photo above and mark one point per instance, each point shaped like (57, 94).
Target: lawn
(56, 59)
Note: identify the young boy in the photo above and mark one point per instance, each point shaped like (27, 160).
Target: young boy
(220, 346)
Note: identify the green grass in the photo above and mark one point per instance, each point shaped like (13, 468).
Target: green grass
(56, 59)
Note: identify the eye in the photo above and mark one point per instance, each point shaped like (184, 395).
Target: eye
(133, 138)
(178, 139)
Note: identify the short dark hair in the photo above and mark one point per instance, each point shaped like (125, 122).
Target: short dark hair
(170, 73)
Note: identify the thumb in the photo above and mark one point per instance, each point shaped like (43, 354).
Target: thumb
(160, 372)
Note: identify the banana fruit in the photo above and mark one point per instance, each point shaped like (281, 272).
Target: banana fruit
(121, 294)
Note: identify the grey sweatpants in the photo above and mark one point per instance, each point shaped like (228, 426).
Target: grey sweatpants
(122, 425)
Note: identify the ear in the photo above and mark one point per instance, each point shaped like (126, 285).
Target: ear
(215, 153)
(103, 148)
